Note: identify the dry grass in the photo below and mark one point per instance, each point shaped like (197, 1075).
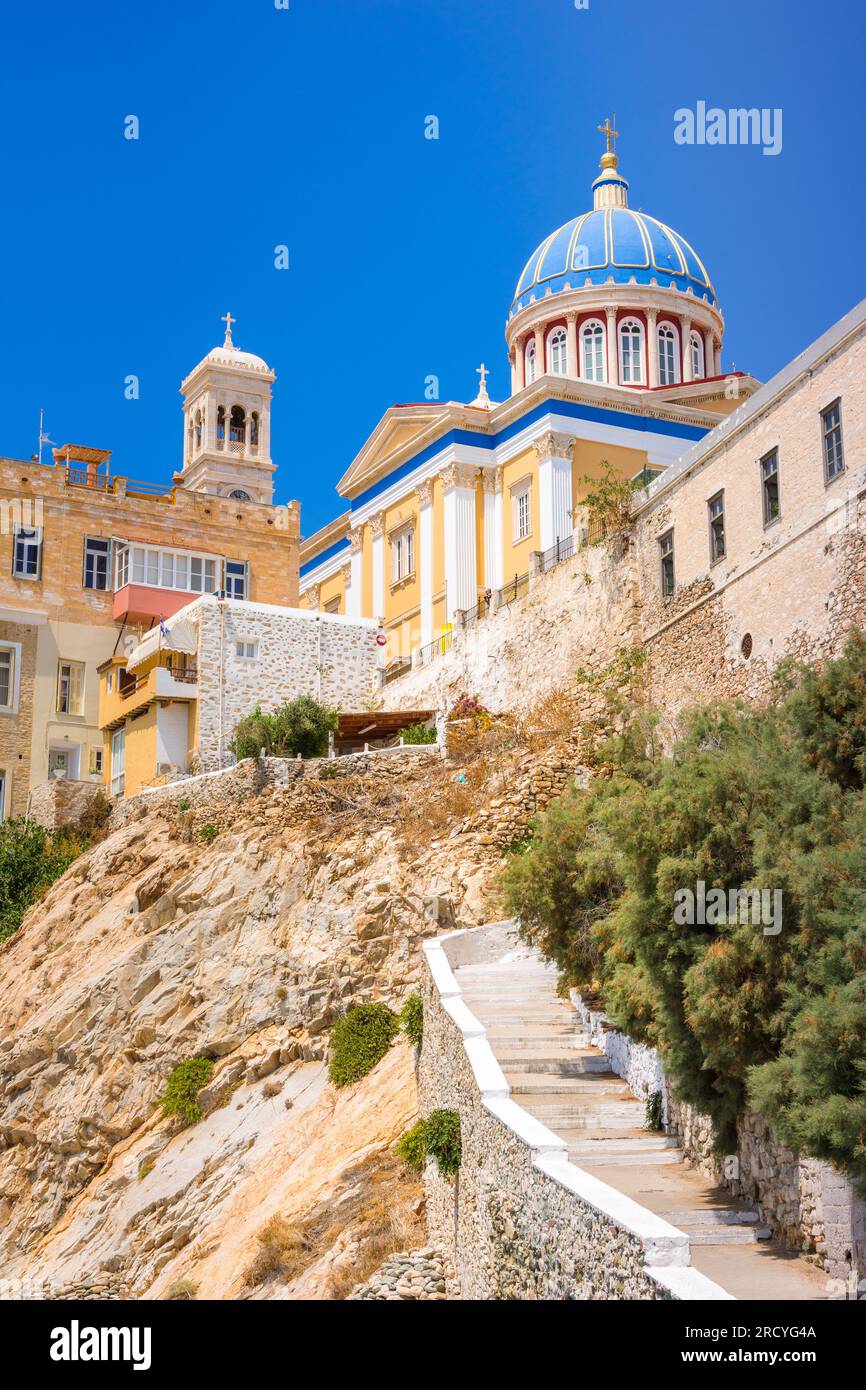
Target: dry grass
(285, 1250)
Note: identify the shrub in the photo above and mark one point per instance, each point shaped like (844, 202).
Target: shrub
(208, 832)
(412, 1019)
(300, 727)
(183, 1086)
(653, 1114)
(419, 733)
(359, 1040)
(438, 1137)
(31, 858)
(183, 805)
(181, 1290)
(467, 707)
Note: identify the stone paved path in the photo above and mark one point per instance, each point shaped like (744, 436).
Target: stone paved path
(559, 1077)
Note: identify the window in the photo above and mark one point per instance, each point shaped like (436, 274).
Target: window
(557, 351)
(27, 552)
(522, 512)
(247, 651)
(118, 761)
(237, 425)
(592, 341)
(696, 348)
(236, 579)
(166, 569)
(630, 353)
(239, 495)
(333, 605)
(666, 550)
(831, 425)
(7, 678)
(70, 687)
(95, 762)
(2, 796)
(254, 429)
(667, 355)
(97, 554)
(403, 555)
(531, 364)
(770, 486)
(716, 507)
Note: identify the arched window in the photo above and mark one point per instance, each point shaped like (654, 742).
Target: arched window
(668, 373)
(198, 429)
(630, 353)
(557, 352)
(531, 364)
(254, 429)
(696, 348)
(237, 427)
(592, 347)
(221, 425)
(240, 496)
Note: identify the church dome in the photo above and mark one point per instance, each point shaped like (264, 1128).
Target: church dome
(612, 244)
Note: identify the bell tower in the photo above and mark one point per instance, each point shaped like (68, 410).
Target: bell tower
(227, 425)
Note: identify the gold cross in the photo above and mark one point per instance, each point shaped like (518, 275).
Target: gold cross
(228, 321)
(609, 132)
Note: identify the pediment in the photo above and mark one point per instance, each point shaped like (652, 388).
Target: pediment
(402, 431)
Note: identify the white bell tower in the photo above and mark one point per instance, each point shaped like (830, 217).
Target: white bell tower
(227, 425)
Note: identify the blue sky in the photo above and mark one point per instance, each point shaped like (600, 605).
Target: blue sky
(305, 127)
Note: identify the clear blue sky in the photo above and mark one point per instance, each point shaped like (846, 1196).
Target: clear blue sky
(306, 127)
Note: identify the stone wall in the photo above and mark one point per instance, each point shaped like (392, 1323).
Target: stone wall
(519, 1221)
(63, 801)
(808, 1205)
(331, 658)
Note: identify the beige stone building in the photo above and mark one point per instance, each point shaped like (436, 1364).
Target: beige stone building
(92, 559)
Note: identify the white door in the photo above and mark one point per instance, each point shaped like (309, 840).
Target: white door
(118, 761)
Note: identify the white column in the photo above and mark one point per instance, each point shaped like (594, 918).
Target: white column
(652, 346)
(461, 584)
(378, 526)
(539, 352)
(355, 596)
(685, 344)
(346, 576)
(709, 354)
(554, 487)
(425, 558)
(492, 482)
(571, 344)
(612, 346)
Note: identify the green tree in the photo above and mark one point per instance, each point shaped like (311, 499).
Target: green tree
(300, 727)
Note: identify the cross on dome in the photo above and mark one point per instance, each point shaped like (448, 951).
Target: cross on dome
(610, 133)
(228, 321)
(482, 399)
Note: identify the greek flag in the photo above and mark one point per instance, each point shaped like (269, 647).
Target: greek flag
(163, 630)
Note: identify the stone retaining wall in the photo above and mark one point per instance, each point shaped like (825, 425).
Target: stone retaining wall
(62, 802)
(809, 1206)
(520, 1221)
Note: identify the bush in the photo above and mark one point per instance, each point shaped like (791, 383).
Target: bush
(412, 1019)
(183, 1086)
(419, 733)
(436, 1137)
(359, 1040)
(208, 832)
(467, 707)
(31, 858)
(412, 1146)
(300, 727)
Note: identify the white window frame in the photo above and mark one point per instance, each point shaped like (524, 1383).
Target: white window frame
(79, 666)
(118, 755)
(402, 554)
(95, 760)
(246, 649)
(629, 326)
(598, 332)
(97, 554)
(235, 579)
(531, 371)
(143, 564)
(521, 511)
(669, 371)
(29, 537)
(14, 650)
(557, 351)
(696, 351)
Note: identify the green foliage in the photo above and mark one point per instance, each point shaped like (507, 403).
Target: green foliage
(31, 858)
(208, 832)
(771, 797)
(183, 805)
(653, 1114)
(608, 502)
(412, 1019)
(183, 1086)
(299, 727)
(359, 1040)
(419, 733)
(436, 1137)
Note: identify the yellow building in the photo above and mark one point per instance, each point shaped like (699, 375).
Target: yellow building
(614, 338)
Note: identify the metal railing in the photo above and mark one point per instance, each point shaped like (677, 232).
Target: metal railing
(593, 534)
(464, 617)
(562, 550)
(438, 647)
(516, 588)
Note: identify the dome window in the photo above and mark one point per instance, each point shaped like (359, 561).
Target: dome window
(668, 374)
(696, 348)
(592, 345)
(531, 364)
(557, 352)
(631, 353)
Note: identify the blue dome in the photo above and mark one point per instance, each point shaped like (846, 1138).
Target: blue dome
(612, 243)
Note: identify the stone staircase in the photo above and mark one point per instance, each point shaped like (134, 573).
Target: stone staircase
(558, 1076)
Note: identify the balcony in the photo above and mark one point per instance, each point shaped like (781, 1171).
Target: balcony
(145, 603)
(132, 692)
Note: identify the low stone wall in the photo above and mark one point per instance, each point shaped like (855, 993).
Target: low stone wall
(520, 1221)
(62, 802)
(809, 1206)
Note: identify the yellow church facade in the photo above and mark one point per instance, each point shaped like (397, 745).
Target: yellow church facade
(614, 339)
